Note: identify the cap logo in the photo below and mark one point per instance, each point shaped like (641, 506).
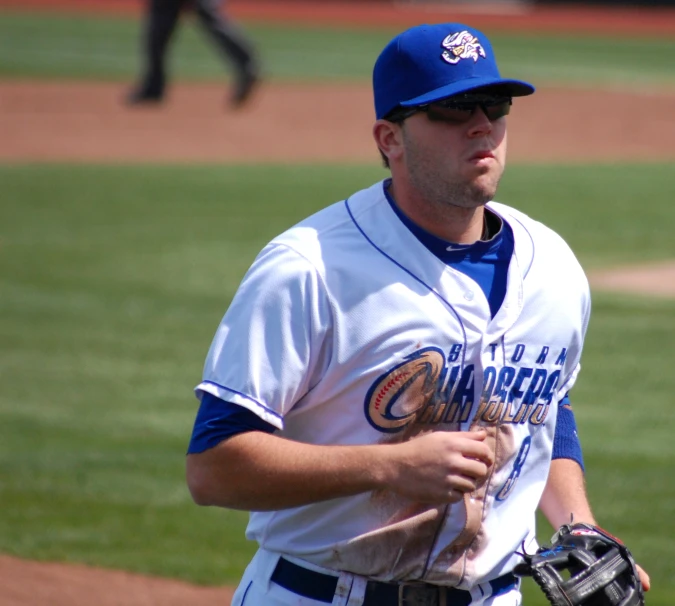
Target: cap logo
(461, 45)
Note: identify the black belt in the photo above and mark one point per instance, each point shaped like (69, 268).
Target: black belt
(321, 587)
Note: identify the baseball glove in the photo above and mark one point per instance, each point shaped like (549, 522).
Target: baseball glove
(584, 565)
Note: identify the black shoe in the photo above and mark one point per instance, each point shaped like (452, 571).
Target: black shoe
(243, 88)
(144, 95)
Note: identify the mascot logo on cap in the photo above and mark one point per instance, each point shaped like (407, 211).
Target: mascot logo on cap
(461, 45)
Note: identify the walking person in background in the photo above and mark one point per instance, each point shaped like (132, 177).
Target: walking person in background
(161, 19)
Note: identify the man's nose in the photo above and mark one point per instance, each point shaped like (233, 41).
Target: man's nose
(479, 123)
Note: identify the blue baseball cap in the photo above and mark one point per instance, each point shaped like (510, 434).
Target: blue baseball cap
(427, 63)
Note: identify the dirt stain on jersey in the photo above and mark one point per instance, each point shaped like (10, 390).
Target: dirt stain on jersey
(401, 548)
(473, 539)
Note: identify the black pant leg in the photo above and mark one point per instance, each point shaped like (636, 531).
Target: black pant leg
(161, 19)
(232, 42)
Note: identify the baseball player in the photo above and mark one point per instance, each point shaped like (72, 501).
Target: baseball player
(161, 20)
(387, 393)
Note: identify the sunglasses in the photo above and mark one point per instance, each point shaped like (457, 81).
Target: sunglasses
(457, 109)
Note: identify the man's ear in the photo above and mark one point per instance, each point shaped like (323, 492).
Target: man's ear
(389, 139)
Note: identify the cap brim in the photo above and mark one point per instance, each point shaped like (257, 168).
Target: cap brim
(516, 88)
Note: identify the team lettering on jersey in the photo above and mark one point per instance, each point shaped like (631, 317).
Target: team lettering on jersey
(428, 388)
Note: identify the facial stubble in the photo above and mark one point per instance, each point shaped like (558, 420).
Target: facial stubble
(440, 188)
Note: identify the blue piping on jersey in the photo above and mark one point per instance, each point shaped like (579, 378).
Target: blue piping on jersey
(243, 395)
(529, 235)
(412, 275)
(243, 600)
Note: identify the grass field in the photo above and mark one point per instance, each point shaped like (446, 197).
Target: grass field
(113, 280)
(57, 46)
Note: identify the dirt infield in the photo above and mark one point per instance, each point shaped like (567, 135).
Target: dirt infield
(652, 280)
(85, 122)
(26, 583)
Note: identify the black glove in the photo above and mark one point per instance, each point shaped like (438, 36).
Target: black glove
(599, 569)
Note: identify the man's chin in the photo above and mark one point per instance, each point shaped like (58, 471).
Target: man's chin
(485, 187)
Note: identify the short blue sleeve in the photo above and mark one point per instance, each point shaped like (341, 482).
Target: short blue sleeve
(566, 443)
(218, 420)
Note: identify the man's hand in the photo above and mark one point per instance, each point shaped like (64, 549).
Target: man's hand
(440, 467)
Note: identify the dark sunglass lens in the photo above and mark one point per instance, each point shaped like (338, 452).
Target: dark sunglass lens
(497, 110)
(453, 115)
(459, 109)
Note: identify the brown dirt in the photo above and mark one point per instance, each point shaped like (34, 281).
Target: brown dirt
(27, 583)
(84, 122)
(651, 280)
(79, 122)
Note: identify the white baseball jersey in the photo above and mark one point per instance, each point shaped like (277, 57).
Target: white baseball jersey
(347, 330)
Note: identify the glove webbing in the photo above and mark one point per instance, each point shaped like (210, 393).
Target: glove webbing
(600, 573)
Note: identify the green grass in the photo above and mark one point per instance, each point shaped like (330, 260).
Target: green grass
(113, 280)
(608, 213)
(46, 45)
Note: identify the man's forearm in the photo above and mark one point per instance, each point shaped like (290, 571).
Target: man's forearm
(259, 472)
(565, 499)
(565, 495)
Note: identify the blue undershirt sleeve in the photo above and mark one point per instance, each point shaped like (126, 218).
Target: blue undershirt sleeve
(566, 443)
(218, 420)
